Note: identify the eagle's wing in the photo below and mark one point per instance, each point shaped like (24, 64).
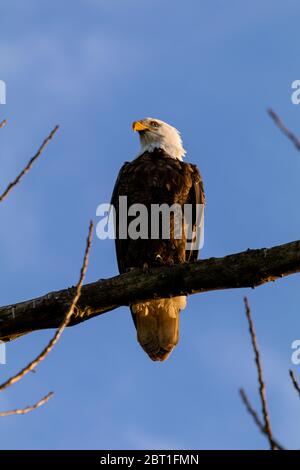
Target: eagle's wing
(119, 190)
(195, 198)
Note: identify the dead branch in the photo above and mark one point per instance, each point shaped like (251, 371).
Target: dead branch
(250, 268)
(262, 386)
(279, 123)
(29, 164)
(294, 381)
(28, 409)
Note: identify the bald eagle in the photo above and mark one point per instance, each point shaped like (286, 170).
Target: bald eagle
(157, 176)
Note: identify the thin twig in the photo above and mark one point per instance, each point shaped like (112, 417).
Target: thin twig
(289, 134)
(294, 381)
(29, 165)
(253, 413)
(28, 409)
(3, 123)
(32, 365)
(256, 418)
(262, 387)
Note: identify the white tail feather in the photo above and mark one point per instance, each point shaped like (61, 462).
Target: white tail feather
(157, 324)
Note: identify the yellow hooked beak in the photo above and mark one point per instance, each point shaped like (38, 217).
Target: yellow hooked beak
(139, 126)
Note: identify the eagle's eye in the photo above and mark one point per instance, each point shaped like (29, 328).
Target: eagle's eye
(154, 124)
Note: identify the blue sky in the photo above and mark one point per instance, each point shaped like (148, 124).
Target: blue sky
(211, 68)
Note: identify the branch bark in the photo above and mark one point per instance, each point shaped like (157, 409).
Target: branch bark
(250, 268)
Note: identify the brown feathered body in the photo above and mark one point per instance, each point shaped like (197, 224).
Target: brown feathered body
(156, 178)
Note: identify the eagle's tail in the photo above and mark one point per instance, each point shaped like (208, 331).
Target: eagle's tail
(157, 323)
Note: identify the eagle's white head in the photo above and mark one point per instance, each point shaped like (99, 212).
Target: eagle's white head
(158, 134)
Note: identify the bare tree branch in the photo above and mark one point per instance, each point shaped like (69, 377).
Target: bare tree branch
(29, 165)
(250, 268)
(3, 123)
(294, 381)
(17, 377)
(28, 409)
(262, 386)
(32, 365)
(257, 420)
(279, 123)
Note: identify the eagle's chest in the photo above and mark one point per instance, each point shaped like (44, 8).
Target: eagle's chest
(156, 181)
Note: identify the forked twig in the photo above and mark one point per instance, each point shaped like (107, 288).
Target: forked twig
(29, 165)
(262, 387)
(289, 134)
